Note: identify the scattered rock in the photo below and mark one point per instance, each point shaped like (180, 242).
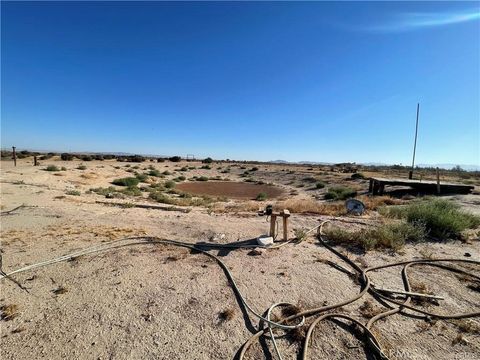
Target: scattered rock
(256, 252)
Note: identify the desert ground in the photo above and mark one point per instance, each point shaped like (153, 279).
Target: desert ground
(155, 301)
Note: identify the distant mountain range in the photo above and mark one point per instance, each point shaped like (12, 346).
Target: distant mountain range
(466, 167)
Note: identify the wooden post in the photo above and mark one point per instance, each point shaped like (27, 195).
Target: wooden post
(35, 163)
(285, 214)
(438, 181)
(381, 189)
(14, 156)
(273, 221)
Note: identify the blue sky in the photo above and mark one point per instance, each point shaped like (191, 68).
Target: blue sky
(314, 81)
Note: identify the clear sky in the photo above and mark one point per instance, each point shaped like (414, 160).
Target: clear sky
(318, 81)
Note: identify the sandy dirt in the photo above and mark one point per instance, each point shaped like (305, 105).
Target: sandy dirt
(162, 302)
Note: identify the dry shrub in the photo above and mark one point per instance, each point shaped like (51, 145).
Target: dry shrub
(89, 176)
(422, 288)
(308, 206)
(177, 256)
(467, 326)
(374, 202)
(290, 310)
(459, 339)
(18, 330)
(60, 290)
(8, 312)
(369, 310)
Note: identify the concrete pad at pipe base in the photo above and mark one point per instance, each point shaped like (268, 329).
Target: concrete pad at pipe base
(265, 240)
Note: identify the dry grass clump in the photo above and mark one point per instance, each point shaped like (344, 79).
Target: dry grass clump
(375, 202)
(297, 334)
(291, 310)
(300, 235)
(310, 206)
(227, 314)
(422, 288)
(459, 339)
(177, 256)
(369, 310)
(60, 290)
(8, 312)
(89, 176)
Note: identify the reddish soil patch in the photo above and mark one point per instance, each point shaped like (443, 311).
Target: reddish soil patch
(229, 189)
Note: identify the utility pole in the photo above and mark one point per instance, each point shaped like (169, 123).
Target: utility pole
(14, 154)
(410, 174)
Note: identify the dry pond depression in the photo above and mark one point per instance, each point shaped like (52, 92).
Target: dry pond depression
(230, 189)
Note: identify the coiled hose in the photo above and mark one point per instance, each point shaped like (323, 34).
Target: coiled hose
(366, 286)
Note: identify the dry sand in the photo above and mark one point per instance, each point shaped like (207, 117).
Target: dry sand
(161, 302)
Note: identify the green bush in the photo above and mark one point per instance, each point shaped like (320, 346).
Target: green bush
(393, 236)
(170, 184)
(161, 198)
(81, 167)
(261, 197)
(340, 193)
(175, 159)
(73, 192)
(206, 167)
(442, 218)
(63, 168)
(320, 185)
(202, 178)
(142, 177)
(357, 176)
(155, 172)
(132, 191)
(128, 181)
(184, 168)
(66, 157)
(208, 160)
(86, 158)
(52, 168)
(180, 178)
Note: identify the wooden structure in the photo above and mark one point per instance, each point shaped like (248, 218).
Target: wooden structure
(285, 214)
(377, 186)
